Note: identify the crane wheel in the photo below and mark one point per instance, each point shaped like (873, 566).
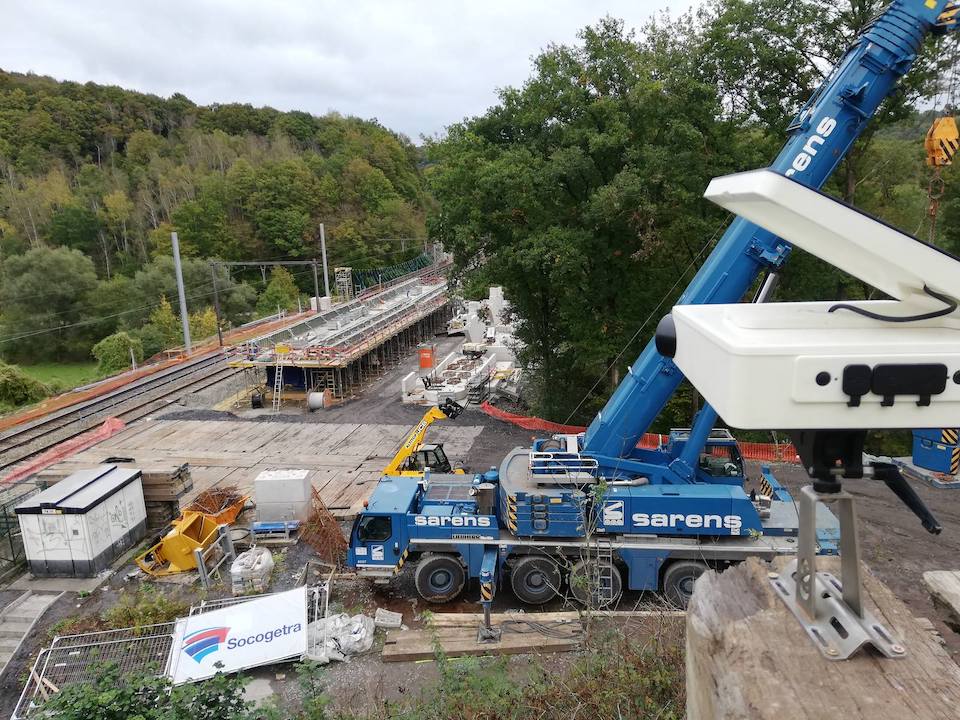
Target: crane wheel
(439, 578)
(679, 579)
(585, 585)
(535, 579)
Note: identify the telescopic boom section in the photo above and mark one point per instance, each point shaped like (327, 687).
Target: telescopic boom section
(820, 136)
(413, 441)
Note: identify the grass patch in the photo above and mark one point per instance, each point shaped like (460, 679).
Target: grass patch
(144, 606)
(61, 377)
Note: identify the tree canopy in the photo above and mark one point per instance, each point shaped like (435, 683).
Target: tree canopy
(580, 192)
(93, 180)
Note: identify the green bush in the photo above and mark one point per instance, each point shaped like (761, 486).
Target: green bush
(17, 388)
(113, 696)
(114, 351)
(144, 607)
(153, 339)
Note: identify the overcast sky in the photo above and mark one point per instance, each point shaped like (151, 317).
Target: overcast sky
(415, 66)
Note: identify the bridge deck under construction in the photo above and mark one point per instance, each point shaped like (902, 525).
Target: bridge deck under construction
(343, 349)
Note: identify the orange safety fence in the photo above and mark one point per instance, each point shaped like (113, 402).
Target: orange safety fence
(110, 427)
(772, 452)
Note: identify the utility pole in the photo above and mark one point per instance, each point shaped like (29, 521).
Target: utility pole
(184, 318)
(323, 254)
(216, 302)
(316, 286)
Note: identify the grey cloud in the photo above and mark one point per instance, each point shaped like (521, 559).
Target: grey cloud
(416, 66)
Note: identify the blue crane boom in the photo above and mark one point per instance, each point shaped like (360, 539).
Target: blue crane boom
(820, 137)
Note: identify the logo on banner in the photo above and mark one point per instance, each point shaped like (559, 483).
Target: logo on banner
(613, 513)
(201, 643)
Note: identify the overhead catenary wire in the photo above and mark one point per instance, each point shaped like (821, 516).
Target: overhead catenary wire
(87, 321)
(101, 318)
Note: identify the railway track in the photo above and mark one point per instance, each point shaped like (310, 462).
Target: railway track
(130, 402)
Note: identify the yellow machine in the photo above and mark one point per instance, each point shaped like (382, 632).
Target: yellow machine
(942, 142)
(413, 456)
(193, 530)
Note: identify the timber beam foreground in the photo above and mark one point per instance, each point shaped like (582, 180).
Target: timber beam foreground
(749, 659)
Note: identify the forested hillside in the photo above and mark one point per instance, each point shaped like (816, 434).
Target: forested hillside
(93, 179)
(580, 191)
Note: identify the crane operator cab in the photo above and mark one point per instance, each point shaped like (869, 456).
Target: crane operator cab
(720, 460)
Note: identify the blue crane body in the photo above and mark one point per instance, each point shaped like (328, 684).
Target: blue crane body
(595, 512)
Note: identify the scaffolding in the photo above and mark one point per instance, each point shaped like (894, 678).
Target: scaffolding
(343, 277)
(344, 349)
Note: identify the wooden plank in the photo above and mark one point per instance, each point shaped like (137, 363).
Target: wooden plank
(411, 645)
(748, 658)
(326, 442)
(447, 620)
(944, 588)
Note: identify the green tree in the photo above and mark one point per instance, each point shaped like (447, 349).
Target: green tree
(280, 292)
(45, 300)
(18, 388)
(580, 193)
(203, 324)
(167, 324)
(75, 227)
(115, 352)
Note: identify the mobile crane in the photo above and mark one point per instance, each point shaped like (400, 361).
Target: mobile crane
(593, 512)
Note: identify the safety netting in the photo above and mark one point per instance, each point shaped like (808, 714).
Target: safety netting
(111, 426)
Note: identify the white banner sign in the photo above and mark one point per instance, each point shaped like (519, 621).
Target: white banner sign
(244, 635)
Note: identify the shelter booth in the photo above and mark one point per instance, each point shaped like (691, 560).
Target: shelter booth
(80, 525)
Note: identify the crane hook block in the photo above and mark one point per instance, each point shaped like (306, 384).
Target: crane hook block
(942, 142)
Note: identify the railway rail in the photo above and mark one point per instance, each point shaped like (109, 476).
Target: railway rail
(130, 402)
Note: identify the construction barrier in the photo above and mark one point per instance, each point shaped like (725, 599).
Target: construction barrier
(529, 423)
(110, 427)
(771, 452)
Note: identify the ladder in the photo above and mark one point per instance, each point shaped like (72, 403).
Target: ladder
(277, 384)
(603, 570)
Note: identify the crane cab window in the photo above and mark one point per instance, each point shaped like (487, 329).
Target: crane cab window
(375, 528)
(721, 461)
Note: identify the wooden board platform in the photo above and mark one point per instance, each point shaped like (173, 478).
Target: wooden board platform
(345, 458)
(456, 634)
(944, 588)
(748, 658)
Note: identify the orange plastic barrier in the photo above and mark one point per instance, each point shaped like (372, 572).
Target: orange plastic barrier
(750, 450)
(529, 423)
(110, 427)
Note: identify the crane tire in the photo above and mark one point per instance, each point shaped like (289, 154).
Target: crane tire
(439, 577)
(535, 579)
(679, 578)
